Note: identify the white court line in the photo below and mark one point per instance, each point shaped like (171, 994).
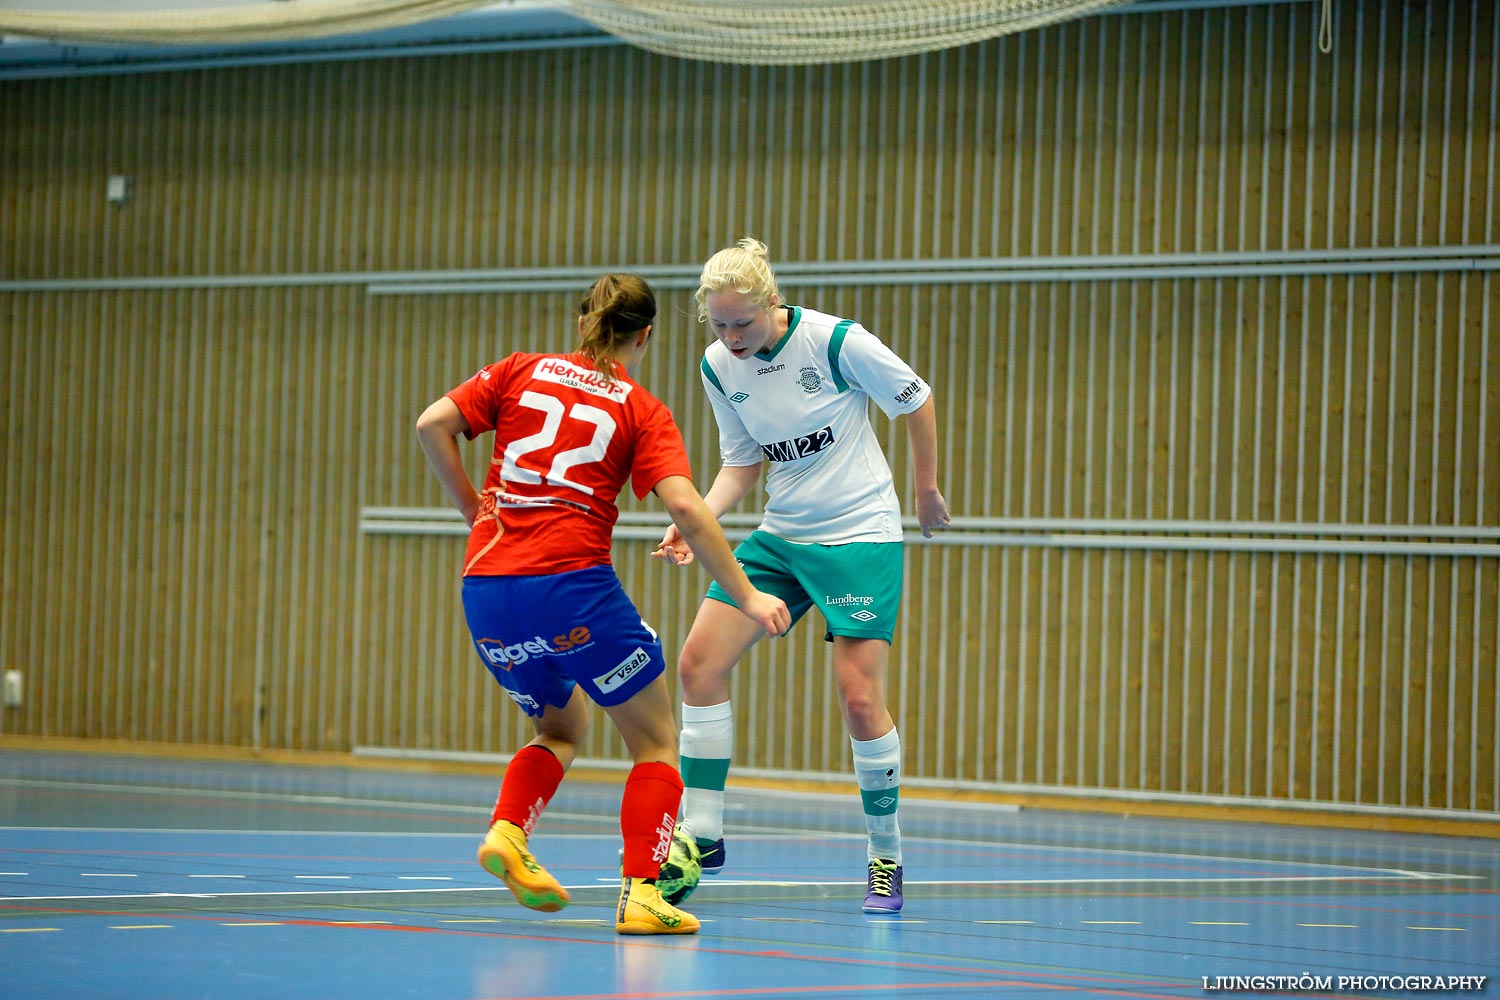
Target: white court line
(743, 832)
(227, 793)
(776, 884)
(1358, 873)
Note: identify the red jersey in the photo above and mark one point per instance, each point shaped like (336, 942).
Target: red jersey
(565, 442)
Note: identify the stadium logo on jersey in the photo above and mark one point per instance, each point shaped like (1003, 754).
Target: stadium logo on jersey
(809, 379)
(564, 372)
(910, 392)
(739, 397)
(799, 447)
(504, 655)
(632, 665)
(770, 369)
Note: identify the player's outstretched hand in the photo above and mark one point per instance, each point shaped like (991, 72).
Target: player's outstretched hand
(769, 612)
(932, 512)
(673, 548)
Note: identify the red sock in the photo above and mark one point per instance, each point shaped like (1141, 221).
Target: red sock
(648, 814)
(531, 779)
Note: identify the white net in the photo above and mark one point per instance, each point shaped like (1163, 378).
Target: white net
(244, 22)
(790, 32)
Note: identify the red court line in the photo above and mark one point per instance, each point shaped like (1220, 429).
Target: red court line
(764, 991)
(236, 855)
(1039, 980)
(1336, 905)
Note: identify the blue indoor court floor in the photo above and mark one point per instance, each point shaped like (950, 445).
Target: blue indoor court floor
(145, 878)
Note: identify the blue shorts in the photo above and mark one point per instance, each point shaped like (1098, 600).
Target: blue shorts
(540, 635)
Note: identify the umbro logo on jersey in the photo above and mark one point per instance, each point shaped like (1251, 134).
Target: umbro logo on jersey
(739, 397)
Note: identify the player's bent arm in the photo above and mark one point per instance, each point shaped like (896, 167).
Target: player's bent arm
(438, 429)
(729, 487)
(701, 529)
(921, 429)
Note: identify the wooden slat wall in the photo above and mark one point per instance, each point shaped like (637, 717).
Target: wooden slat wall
(184, 466)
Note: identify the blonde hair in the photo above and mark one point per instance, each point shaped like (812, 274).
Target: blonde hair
(744, 268)
(616, 308)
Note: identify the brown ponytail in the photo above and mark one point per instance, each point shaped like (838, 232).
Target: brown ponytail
(616, 308)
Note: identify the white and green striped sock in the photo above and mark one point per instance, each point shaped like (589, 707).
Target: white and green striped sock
(707, 743)
(877, 768)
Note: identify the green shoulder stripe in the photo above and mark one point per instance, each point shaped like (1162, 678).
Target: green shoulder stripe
(835, 345)
(708, 370)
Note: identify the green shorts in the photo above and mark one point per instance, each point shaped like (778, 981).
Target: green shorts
(856, 585)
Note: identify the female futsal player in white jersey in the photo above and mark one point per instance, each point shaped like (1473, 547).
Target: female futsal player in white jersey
(790, 387)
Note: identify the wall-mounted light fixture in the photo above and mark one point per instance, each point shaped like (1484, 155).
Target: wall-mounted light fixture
(117, 190)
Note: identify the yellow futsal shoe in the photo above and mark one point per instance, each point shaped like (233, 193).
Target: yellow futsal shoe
(643, 911)
(503, 854)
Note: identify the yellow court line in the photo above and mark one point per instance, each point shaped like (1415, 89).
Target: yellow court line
(27, 930)
(1218, 923)
(1352, 927)
(1459, 929)
(141, 927)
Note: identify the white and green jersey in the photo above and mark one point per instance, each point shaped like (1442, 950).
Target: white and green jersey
(803, 405)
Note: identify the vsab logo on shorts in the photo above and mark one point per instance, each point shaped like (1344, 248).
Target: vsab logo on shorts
(632, 665)
(499, 653)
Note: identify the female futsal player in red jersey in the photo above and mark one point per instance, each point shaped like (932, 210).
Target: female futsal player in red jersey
(548, 615)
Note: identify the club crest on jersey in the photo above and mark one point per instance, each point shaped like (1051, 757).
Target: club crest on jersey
(809, 379)
(564, 372)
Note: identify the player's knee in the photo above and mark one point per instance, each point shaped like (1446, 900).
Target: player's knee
(692, 663)
(864, 708)
(697, 666)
